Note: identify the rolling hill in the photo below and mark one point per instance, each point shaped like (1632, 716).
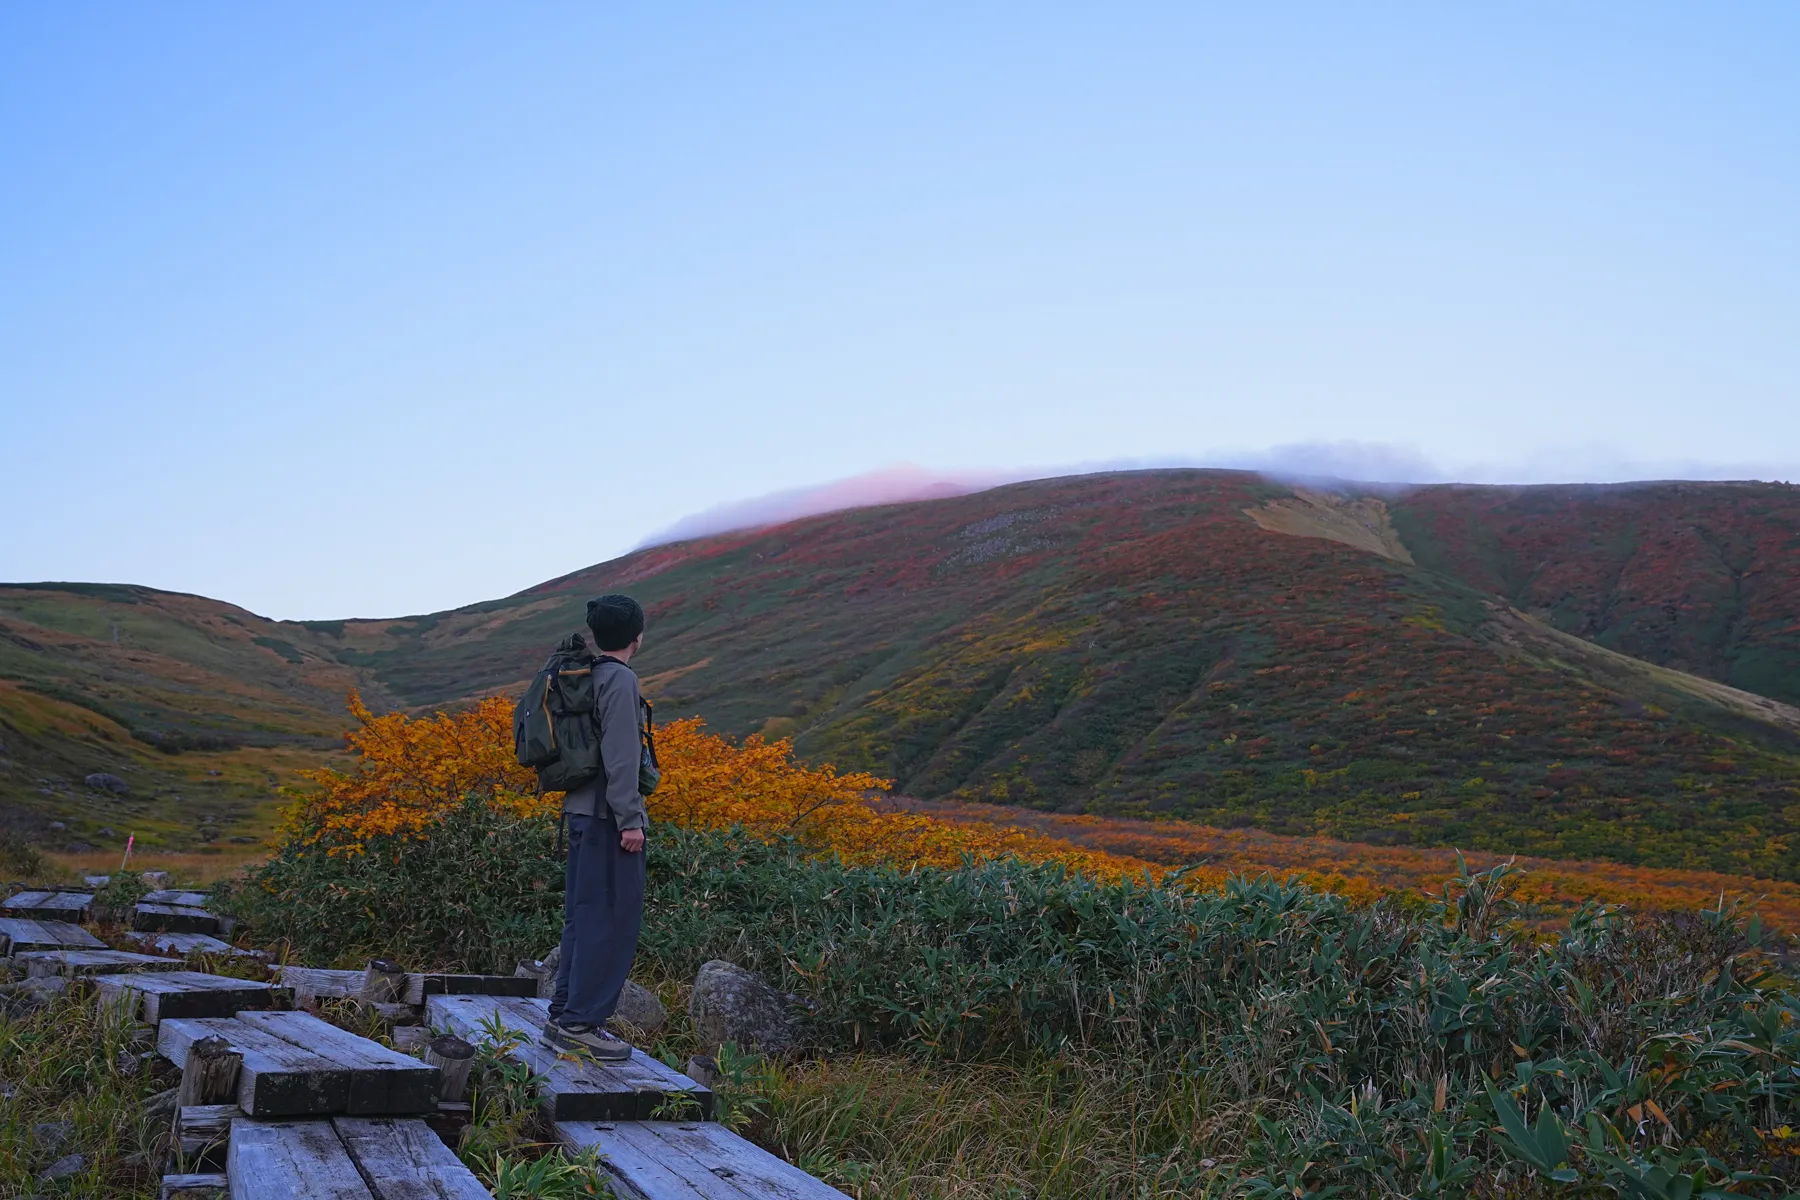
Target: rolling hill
(1602, 672)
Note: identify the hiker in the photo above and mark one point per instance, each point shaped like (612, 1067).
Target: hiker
(603, 900)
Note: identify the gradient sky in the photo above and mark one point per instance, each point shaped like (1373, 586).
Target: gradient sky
(360, 310)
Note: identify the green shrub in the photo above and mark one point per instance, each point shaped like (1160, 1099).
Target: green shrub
(1357, 1046)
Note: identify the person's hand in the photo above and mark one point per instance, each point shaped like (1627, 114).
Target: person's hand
(631, 840)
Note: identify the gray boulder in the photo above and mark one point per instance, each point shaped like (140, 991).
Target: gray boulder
(639, 1005)
(104, 781)
(731, 1004)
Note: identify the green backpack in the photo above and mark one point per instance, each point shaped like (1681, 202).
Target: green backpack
(554, 731)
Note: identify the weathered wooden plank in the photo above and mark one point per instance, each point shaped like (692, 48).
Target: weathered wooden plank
(174, 918)
(41, 964)
(48, 906)
(678, 1160)
(276, 1078)
(201, 1131)
(572, 1090)
(291, 1160)
(318, 981)
(24, 933)
(381, 1081)
(419, 986)
(191, 943)
(163, 995)
(194, 1187)
(402, 1159)
(175, 896)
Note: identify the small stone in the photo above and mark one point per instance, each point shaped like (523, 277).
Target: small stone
(58, 826)
(105, 831)
(79, 848)
(639, 1005)
(156, 878)
(51, 1135)
(106, 781)
(62, 1168)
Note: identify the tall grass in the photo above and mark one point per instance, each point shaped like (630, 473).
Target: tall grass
(1303, 1042)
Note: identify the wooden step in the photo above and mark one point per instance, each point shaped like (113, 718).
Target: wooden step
(402, 1159)
(173, 918)
(40, 964)
(20, 933)
(164, 995)
(297, 1065)
(291, 1160)
(48, 906)
(191, 943)
(690, 1160)
(176, 896)
(348, 1158)
(194, 1187)
(320, 982)
(571, 1090)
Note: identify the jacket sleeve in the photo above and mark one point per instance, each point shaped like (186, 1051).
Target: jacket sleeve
(621, 748)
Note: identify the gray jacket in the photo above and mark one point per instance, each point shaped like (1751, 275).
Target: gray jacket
(619, 709)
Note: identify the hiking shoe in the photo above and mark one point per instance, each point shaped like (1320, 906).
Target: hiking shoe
(587, 1038)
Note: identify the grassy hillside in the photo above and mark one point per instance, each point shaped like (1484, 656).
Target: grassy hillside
(201, 708)
(1704, 577)
(1201, 644)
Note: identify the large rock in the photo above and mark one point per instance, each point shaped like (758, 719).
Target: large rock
(731, 1004)
(104, 781)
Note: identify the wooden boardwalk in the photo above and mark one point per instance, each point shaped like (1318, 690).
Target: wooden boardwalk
(572, 1090)
(41, 963)
(690, 1160)
(316, 982)
(173, 918)
(190, 943)
(21, 933)
(347, 1158)
(297, 1065)
(48, 906)
(163, 995)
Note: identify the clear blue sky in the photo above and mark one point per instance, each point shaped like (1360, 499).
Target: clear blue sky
(337, 310)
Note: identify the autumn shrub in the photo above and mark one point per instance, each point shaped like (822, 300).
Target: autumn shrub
(1441, 1047)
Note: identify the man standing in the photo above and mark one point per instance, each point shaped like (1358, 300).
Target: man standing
(603, 898)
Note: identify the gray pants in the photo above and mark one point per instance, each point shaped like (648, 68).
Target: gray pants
(603, 906)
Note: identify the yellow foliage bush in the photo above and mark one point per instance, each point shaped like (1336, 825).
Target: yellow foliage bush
(410, 772)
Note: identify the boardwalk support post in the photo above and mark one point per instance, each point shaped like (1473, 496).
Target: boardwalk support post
(453, 1057)
(383, 983)
(210, 1074)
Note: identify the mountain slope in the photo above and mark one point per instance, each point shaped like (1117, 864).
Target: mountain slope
(1210, 645)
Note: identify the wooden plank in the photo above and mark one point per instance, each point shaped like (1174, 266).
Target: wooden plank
(277, 1078)
(202, 1129)
(174, 918)
(40, 964)
(291, 1160)
(419, 986)
(163, 995)
(23, 933)
(666, 1160)
(191, 943)
(175, 896)
(317, 981)
(402, 1159)
(381, 1080)
(194, 1187)
(48, 906)
(572, 1090)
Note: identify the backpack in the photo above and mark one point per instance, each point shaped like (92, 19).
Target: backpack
(554, 731)
(553, 723)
